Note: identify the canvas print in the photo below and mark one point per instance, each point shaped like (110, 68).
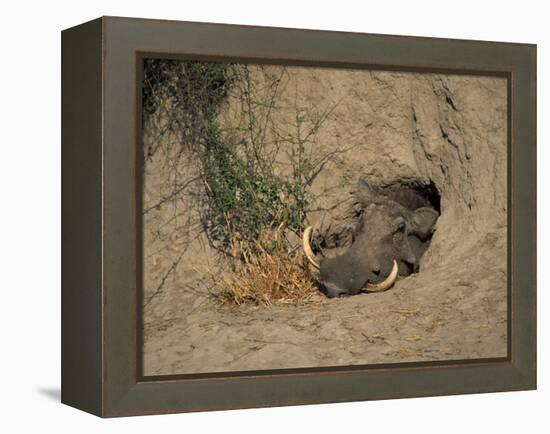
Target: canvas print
(306, 217)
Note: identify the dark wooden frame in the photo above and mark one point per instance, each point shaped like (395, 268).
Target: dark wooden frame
(101, 268)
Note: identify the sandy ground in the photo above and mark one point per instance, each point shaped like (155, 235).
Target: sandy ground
(447, 129)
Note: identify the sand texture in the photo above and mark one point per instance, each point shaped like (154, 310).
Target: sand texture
(448, 129)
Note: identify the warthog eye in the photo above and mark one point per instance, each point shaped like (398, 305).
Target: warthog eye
(399, 234)
(398, 237)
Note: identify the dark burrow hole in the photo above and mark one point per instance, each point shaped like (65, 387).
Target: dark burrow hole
(413, 194)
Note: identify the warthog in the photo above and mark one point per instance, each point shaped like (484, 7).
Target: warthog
(391, 235)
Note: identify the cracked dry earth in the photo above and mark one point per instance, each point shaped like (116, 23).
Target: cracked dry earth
(448, 129)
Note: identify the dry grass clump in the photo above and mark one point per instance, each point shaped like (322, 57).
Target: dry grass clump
(270, 278)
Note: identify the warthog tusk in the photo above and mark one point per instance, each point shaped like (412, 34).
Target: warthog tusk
(386, 283)
(307, 247)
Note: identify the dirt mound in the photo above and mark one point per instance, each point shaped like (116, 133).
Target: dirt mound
(445, 131)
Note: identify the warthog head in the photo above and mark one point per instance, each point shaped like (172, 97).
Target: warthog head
(391, 235)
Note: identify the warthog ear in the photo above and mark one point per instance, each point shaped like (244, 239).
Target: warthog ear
(423, 221)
